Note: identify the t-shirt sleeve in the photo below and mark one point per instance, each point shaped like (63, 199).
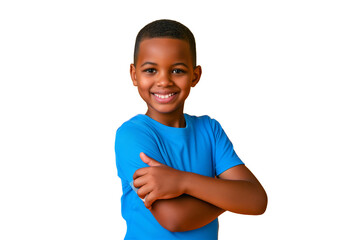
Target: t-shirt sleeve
(224, 154)
(130, 141)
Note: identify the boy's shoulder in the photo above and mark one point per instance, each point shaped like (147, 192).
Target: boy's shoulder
(204, 120)
(198, 118)
(133, 125)
(137, 120)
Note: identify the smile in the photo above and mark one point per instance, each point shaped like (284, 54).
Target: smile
(164, 96)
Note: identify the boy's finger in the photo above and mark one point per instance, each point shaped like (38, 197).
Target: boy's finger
(140, 172)
(149, 200)
(140, 181)
(143, 191)
(149, 161)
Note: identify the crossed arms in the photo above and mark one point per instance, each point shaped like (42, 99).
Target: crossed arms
(183, 201)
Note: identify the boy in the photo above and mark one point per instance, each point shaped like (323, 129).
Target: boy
(178, 172)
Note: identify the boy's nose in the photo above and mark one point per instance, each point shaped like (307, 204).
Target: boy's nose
(164, 80)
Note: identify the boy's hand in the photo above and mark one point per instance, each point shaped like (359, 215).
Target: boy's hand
(157, 181)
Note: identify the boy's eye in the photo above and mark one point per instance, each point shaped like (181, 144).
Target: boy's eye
(150, 70)
(178, 71)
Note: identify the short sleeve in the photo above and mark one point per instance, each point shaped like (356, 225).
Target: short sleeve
(224, 154)
(130, 141)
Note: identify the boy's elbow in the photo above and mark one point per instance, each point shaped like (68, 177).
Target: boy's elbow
(172, 225)
(255, 206)
(167, 217)
(260, 205)
(261, 209)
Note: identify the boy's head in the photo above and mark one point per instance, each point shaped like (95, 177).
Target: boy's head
(166, 29)
(164, 68)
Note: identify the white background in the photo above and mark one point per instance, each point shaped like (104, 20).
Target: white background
(282, 77)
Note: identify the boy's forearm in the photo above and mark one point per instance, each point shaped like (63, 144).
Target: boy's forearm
(184, 213)
(239, 196)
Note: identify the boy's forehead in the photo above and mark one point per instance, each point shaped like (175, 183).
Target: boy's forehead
(163, 40)
(164, 47)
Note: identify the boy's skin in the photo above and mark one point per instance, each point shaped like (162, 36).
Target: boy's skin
(183, 201)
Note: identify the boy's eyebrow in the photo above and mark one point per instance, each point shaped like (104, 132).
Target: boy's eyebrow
(151, 63)
(175, 64)
(180, 63)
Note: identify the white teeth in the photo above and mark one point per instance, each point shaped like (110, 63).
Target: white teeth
(164, 96)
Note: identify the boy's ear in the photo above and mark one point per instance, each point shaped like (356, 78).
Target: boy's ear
(133, 74)
(197, 75)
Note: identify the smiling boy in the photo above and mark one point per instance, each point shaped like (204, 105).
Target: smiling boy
(164, 76)
(178, 172)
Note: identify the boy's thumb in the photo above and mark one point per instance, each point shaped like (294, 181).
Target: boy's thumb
(149, 161)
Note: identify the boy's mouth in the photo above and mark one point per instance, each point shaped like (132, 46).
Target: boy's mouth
(164, 97)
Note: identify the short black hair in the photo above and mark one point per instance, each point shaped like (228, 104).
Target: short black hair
(166, 28)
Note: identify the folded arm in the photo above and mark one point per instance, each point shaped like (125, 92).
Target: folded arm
(236, 190)
(177, 212)
(184, 213)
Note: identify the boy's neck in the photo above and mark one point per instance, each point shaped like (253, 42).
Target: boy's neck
(176, 120)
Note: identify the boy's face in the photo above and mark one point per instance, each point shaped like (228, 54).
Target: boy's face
(164, 74)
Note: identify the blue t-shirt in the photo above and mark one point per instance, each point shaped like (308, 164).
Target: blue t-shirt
(201, 147)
